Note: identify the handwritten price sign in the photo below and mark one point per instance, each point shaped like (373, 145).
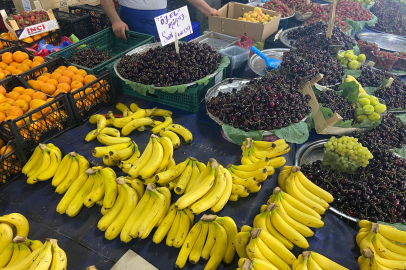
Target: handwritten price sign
(175, 21)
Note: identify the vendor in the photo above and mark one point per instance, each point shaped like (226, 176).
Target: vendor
(138, 15)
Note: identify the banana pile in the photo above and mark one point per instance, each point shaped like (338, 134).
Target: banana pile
(21, 253)
(135, 118)
(255, 264)
(252, 151)
(175, 226)
(292, 181)
(381, 246)
(313, 260)
(43, 163)
(122, 153)
(254, 243)
(95, 185)
(211, 238)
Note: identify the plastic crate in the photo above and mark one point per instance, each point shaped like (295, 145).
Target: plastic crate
(77, 24)
(12, 162)
(53, 37)
(196, 31)
(12, 81)
(8, 43)
(98, 18)
(107, 41)
(8, 6)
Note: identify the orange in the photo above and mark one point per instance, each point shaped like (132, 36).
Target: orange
(35, 63)
(44, 34)
(26, 56)
(28, 40)
(28, 62)
(56, 75)
(2, 117)
(13, 95)
(35, 103)
(58, 71)
(1, 45)
(78, 78)
(9, 101)
(6, 72)
(25, 97)
(39, 95)
(73, 68)
(64, 86)
(4, 151)
(64, 79)
(48, 88)
(74, 89)
(3, 65)
(68, 73)
(53, 81)
(18, 89)
(76, 84)
(43, 78)
(58, 91)
(47, 74)
(31, 82)
(7, 57)
(23, 67)
(28, 92)
(14, 64)
(4, 107)
(17, 71)
(38, 59)
(63, 68)
(2, 90)
(2, 98)
(11, 68)
(37, 85)
(89, 79)
(36, 37)
(81, 72)
(23, 104)
(19, 56)
(15, 110)
(2, 75)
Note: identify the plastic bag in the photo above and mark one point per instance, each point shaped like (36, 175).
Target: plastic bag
(52, 48)
(245, 43)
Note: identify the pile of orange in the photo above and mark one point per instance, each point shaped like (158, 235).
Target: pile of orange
(63, 79)
(12, 37)
(8, 165)
(19, 101)
(16, 63)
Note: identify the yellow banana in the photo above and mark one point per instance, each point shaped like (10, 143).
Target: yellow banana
(44, 166)
(6, 236)
(170, 175)
(112, 214)
(391, 245)
(70, 177)
(170, 239)
(19, 221)
(59, 259)
(326, 263)
(364, 224)
(134, 124)
(77, 203)
(277, 162)
(110, 195)
(134, 107)
(219, 248)
(98, 191)
(184, 178)
(253, 250)
(258, 264)
(312, 265)
(110, 140)
(167, 194)
(172, 136)
(15, 255)
(142, 161)
(168, 153)
(392, 233)
(182, 131)
(195, 174)
(231, 229)
(255, 188)
(6, 255)
(122, 154)
(241, 241)
(271, 256)
(161, 112)
(154, 161)
(183, 230)
(196, 251)
(164, 228)
(260, 164)
(277, 246)
(168, 121)
(383, 252)
(309, 194)
(33, 159)
(283, 175)
(234, 197)
(92, 135)
(226, 194)
(260, 174)
(71, 193)
(100, 152)
(188, 245)
(299, 205)
(314, 188)
(210, 241)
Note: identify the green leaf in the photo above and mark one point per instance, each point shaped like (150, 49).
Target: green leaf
(399, 226)
(402, 117)
(367, 124)
(317, 89)
(384, 83)
(370, 90)
(327, 112)
(354, 73)
(310, 121)
(238, 136)
(401, 151)
(344, 124)
(294, 133)
(397, 109)
(356, 50)
(350, 91)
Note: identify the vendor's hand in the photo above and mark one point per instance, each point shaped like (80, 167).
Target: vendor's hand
(211, 12)
(119, 29)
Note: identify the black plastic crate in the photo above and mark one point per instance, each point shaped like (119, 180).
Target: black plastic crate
(12, 81)
(54, 37)
(8, 6)
(8, 43)
(98, 18)
(15, 48)
(78, 24)
(12, 160)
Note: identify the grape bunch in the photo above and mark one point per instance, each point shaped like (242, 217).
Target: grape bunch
(269, 103)
(303, 65)
(338, 104)
(90, 57)
(346, 154)
(161, 66)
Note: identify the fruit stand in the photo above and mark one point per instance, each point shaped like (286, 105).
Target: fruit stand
(113, 146)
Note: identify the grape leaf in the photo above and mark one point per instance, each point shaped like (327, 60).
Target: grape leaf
(310, 121)
(402, 117)
(294, 133)
(344, 124)
(317, 89)
(384, 83)
(397, 109)
(401, 151)
(356, 50)
(327, 112)
(399, 226)
(370, 90)
(367, 124)
(350, 91)
(238, 136)
(354, 73)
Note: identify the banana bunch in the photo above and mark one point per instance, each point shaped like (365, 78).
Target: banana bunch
(113, 157)
(313, 260)
(370, 260)
(292, 181)
(252, 151)
(69, 169)
(175, 225)
(102, 128)
(384, 245)
(255, 243)
(211, 188)
(211, 238)
(8, 223)
(15, 251)
(255, 264)
(43, 163)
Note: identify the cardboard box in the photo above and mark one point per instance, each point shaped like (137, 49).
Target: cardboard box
(227, 23)
(51, 4)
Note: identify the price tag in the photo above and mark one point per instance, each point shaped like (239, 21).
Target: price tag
(175, 21)
(26, 5)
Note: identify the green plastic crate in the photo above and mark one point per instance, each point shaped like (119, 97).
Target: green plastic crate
(107, 41)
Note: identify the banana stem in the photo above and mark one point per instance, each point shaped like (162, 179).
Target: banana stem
(151, 187)
(247, 265)
(270, 207)
(90, 171)
(295, 169)
(306, 254)
(249, 143)
(374, 228)
(19, 239)
(120, 180)
(73, 154)
(368, 253)
(255, 233)
(208, 218)
(277, 190)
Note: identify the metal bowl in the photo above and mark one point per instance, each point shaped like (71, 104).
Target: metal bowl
(385, 41)
(257, 64)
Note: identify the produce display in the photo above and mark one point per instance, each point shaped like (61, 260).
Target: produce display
(369, 107)
(368, 48)
(256, 16)
(338, 104)
(391, 17)
(89, 57)
(350, 60)
(161, 66)
(305, 8)
(32, 17)
(16, 63)
(385, 60)
(280, 7)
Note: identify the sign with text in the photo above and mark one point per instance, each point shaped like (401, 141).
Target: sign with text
(36, 29)
(175, 21)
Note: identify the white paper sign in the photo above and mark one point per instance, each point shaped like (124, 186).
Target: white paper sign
(26, 5)
(37, 29)
(175, 21)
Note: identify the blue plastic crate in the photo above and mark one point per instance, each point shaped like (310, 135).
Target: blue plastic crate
(196, 31)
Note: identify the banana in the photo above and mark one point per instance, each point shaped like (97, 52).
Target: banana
(77, 203)
(195, 174)
(312, 265)
(185, 178)
(391, 245)
(259, 174)
(93, 118)
(137, 185)
(168, 121)
(260, 164)
(59, 259)
(260, 221)
(155, 160)
(149, 112)
(142, 213)
(168, 154)
(123, 154)
(246, 228)
(165, 226)
(70, 177)
(97, 192)
(45, 162)
(299, 205)
(247, 182)
(123, 121)
(6, 255)
(170, 175)
(245, 160)
(283, 175)
(182, 131)
(383, 252)
(161, 112)
(33, 244)
(33, 159)
(270, 170)
(271, 256)
(27, 262)
(24, 253)
(134, 124)
(36, 164)
(219, 248)
(170, 239)
(101, 122)
(6, 236)
(226, 194)
(92, 135)
(14, 257)
(392, 234)
(234, 197)
(131, 160)
(277, 246)
(134, 107)
(246, 193)
(100, 152)
(210, 241)
(254, 189)
(188, 245)
(277, 162)
(109, 140)
(231, 229)
(258, 264)
(319, 192)
(109, 131)
(122, 107)
(170, 135)
(277, 151)
(360, 237)
(167, 194)
(19, 221)
(109, 162)
(364, 224)
(391, 263)
(241, 241)
(112, 214)
(130, 202)
(326, 263)
(55, 160)
(253, 250)
(142, 161)
(196, 251)
(109, 177)
(238, 189)
(183, 230)
(309, 194)
(44, 260)
(71, 193)
(190, 215)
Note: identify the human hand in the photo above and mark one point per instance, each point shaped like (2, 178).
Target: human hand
(119, 28)
(211, 12)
